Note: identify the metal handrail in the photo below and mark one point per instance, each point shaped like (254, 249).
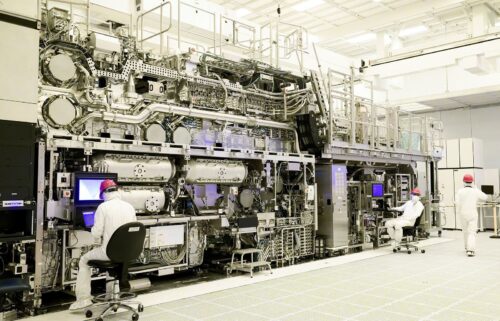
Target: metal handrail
(387, 128)
(159, 33)
(235, 41)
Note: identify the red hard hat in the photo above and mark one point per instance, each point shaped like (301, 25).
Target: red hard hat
(468, 178)
(416, 191)
(108, 183)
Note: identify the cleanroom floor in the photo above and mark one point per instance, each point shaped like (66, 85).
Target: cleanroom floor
(442, 284)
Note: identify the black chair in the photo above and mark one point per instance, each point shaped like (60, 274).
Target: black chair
(410, 240)
(125, 246)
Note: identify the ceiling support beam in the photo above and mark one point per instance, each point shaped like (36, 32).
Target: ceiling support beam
(483, 18)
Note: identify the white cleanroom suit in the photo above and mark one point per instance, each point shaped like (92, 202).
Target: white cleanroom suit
(466, 204)
(109, 216)
(411, 211)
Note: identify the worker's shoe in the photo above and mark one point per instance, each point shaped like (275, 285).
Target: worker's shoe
(80, 304)
(470, 253)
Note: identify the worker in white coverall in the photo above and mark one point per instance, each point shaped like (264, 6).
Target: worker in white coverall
(466, 205)
(109, 216)
(411, 211)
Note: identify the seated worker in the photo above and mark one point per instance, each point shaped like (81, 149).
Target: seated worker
(109, 216)
(411, 211)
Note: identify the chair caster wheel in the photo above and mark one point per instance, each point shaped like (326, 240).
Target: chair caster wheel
(88, 313)
(135, 317)
(423, 251)
(140, 308)
(99, 319)
(394, 250)
(409, 252)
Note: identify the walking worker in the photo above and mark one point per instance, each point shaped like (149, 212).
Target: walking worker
(466, 205)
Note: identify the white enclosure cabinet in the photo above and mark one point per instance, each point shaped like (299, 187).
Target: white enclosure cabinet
(450, 181)
(471, 153)
(453, 153)
(18, 68)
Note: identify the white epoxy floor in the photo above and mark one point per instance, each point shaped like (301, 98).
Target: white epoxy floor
(442, 284)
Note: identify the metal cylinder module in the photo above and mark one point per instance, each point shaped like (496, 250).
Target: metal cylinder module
(136, 168)
(143, 199)
(206, 171)
(104, 43)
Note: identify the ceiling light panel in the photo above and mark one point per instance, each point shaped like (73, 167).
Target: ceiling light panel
(241, 12)
(412, 31)
(364, 38)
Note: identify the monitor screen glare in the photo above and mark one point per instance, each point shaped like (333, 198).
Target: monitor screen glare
(89, 189)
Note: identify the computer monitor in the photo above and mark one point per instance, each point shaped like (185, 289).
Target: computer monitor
(88, 218)
(87, 186)
(488, 189)
(377, 190)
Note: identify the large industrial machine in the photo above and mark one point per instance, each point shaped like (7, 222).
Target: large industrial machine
(204, 148)
(215, 155)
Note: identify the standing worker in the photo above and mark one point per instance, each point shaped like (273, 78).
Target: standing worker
(466, 203)
(109, 216)
(411, 211)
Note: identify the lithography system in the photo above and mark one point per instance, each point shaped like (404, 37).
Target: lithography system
(215, 155)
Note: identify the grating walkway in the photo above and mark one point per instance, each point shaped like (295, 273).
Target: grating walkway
(442, 284)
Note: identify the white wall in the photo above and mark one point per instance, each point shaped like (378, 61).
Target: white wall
(482, 123)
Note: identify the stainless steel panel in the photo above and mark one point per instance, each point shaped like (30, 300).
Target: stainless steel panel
(333, 221)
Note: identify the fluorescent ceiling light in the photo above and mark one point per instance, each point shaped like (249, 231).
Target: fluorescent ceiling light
(412, 31)
(313, 38)
(307, 4)
(241, 12)
(367, 37)
(414, 107)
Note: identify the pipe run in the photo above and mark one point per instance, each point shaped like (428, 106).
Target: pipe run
(183, 111)
(148, 111)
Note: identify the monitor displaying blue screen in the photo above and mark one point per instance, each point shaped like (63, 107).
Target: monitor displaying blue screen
(88, 219)
(377, 190)
(88, 189)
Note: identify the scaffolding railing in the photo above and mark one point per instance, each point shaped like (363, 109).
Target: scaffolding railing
(355, 120)
(276, 45)
(235, 36)
(140, 24)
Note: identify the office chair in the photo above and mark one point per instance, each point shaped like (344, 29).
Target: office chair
(125, 245)
(409, 240)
